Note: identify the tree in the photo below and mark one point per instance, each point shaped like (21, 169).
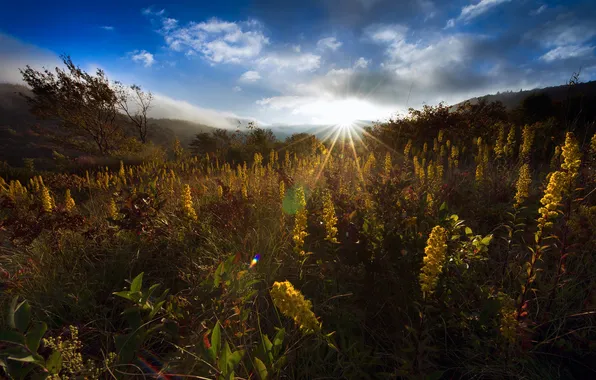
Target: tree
(137, 113)
(84, 106)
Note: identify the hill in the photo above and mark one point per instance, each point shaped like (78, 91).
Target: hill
(19, 139)
(512, 100)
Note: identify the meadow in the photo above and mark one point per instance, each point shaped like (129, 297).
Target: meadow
(428, 254)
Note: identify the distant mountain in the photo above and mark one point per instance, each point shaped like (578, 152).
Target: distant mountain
(18, 138)
(512, 99)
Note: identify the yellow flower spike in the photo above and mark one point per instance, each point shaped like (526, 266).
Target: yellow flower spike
(434, 257)
(282, 191)
(300, 222)
(523, 185)
(69, 203)
(329, 218)
(291, 303)
(571, 158)
(187, 204)
(219, 191)
(407, 148)
(551, 200)
(526, 146)
(46, 200)
(508, 149)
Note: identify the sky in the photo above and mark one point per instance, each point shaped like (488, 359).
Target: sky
(300, 62)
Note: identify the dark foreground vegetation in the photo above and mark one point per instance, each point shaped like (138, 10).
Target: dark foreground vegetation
(448, 243)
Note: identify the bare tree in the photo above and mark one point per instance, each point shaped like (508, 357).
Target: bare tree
(137, 111)
(84, 106)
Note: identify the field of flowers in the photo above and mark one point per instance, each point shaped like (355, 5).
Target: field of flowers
(452, 258)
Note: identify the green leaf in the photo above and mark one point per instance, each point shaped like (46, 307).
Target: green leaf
(443, 206)
(12, 337)
(137, 283)
(54, 362)
(124, 294)
(278, 340)
(260, 369)
(148, 294)
(216, 338)
(487, 239)
(217, 275)
(21, 316)
(234, 359)
(468, 231)
(35, 359)
(223, 358)
(33, 337)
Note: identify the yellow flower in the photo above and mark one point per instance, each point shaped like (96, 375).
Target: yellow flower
(292, 304)
(523, 185)
(508, 149)
(551, 199)
(300, 221)
(526, 146)
(388, 164)
(571, 158)
(282, 191)
(219, 191)
(46, 200)
(434, 257)
(500, 145)
(69, 203)
(479, 172)
(329, 218)
(407, 148)
(112, 209)
(187, 204)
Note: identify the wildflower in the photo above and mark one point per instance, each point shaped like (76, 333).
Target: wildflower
(329, 218)
(244, 191)
(434, 257)
(500, 144)
(46, 200)
(571, 158)
(300, 220)
(523, 185)
(292, 304)
(425, 148)
(479, 172)
(112, 209)
(593, 144)
(508, 149)
(187, 205)
(282, 191)
(440, 136)
(526, 147)
(551, 199)
(219, 191)
(69, 203)
(388, 164)
(407, 148)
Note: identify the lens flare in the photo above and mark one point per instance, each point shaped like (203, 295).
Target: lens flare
(255, 260)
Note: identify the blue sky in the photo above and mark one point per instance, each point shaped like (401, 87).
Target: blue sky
(306, 62)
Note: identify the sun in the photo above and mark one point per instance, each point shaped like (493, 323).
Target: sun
(345, 123)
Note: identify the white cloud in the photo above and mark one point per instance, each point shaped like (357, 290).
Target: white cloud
(142, 56)
(15, 55)
(216, 40)
(296, 48)
(297, 62)
(361, 63)
(169, 24)
(472, 11)
(382, 33)
(237, 89)
(165, 107)
(538, 11)
(566, 52)
(107, 27)
(150, 12)
(250, 76)
(330, 43)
